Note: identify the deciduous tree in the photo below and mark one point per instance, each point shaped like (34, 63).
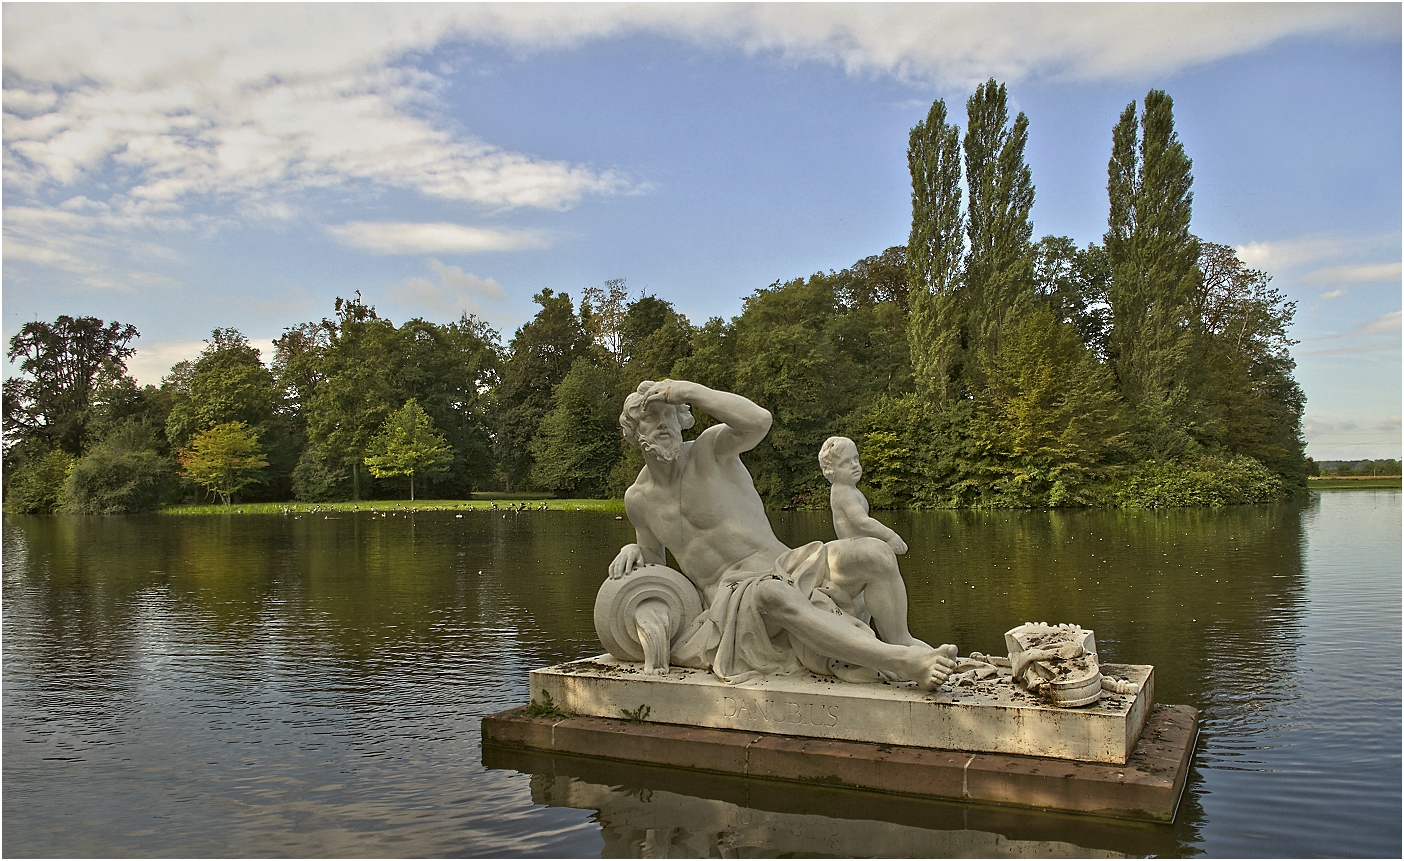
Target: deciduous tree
(541, 354)
(121, 474)
(225, 459)
(579, 441)
(408, 444)
(61, 364)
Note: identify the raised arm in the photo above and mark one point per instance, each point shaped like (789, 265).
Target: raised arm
(742, 423)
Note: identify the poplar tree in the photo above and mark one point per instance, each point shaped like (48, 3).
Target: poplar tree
(1000, 266)
(935, 252)
(1155, 277)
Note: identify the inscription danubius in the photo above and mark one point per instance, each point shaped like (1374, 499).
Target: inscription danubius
(782, 711)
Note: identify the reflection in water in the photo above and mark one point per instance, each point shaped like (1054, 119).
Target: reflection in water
(313, 685)
(653, 812)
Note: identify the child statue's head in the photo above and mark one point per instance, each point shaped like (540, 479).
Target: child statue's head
(838, 458)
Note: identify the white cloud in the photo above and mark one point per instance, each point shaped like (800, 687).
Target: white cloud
(167, 106)
(399, 237)
(1334, 294)
(1379, 335)
(1315, 428)
(151, 112)
(1385, 324)
(1342, 437)
(456, 292)
(1359, 273)
(1301, 252)
(211, 99)
(85, 241)
(153, 361)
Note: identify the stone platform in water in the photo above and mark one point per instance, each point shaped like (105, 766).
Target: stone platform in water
(982, 716)
(1147, 787)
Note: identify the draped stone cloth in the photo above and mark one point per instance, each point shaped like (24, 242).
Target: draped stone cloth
(730, 636)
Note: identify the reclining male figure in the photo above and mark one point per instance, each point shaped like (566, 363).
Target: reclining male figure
(697, 500)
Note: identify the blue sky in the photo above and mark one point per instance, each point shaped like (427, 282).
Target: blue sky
(183, 167)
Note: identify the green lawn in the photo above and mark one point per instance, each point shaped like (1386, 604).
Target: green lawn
(483, 502)
(1333, 482)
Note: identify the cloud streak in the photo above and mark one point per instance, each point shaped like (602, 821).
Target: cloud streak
(399, 237)
(1359, 273)
(455, 291)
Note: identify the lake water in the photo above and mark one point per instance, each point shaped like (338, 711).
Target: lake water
(266, 686)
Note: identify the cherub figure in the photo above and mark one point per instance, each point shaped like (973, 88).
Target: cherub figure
(838, 458)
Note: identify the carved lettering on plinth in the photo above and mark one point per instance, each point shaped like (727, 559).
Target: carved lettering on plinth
(805, 713)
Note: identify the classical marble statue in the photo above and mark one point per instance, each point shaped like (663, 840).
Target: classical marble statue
(838, 458)
(765, 608)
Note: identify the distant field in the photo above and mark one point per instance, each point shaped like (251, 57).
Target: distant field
(504, 502)
(1351, 482)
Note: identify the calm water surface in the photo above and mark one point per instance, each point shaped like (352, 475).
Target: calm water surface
(272, 686)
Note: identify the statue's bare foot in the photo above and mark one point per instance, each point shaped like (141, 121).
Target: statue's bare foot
(913, 641)
(932, 666)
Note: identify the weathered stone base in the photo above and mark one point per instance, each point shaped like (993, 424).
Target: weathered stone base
(987, 716)
(1147, 787)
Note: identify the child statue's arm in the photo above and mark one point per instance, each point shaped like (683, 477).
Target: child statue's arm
(851, 518)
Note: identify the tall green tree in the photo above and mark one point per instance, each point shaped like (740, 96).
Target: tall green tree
(654, 337)
(227, 383)
(447, 370)
(1072, 283)
(579, 442)
(1053, 418)
(603, 311)
(355, 391)
(1154, 343)
(408, 444)
(1000, 263)
(784, 362)
(876, 279)
(540, 355)
(935, 254)
(1252, 391)
(61, 365)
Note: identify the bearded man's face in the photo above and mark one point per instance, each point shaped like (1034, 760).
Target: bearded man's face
(660, 434)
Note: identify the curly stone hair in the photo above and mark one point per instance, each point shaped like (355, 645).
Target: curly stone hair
(633, 411)
(829, 453)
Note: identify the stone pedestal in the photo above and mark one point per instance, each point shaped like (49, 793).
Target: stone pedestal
(1148, 787)
(987, 716)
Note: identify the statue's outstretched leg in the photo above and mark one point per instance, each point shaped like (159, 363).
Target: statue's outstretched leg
(868, 566)
(828, 634)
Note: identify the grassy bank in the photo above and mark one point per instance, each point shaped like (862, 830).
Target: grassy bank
(511, 501)
(1348, 482)
(485, 502)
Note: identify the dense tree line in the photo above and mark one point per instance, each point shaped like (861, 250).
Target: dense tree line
(976, 365)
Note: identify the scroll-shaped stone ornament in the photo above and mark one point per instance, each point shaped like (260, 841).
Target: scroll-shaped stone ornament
(638, 616)
(1057, 661)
